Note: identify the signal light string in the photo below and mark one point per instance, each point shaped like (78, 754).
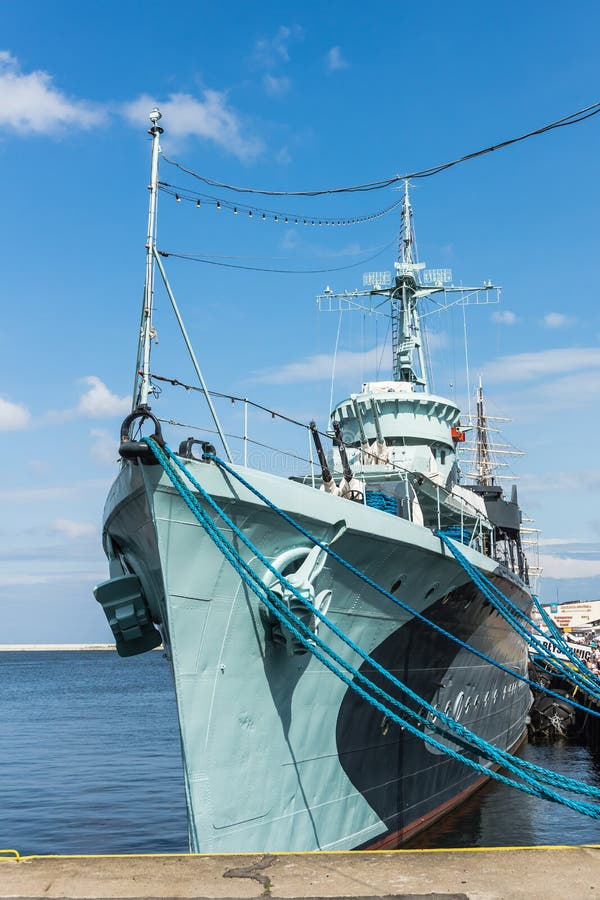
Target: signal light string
(571, 119)
(202, 200)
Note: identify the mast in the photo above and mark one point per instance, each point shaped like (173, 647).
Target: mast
(406, 331)
(483, 449)
(409, 286)
(142, 384)
(483, 462)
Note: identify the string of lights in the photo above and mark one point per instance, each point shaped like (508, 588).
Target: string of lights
(202, 200)
(571, 119)
(227, 265)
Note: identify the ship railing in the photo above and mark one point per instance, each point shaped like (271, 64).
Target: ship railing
(265, 439)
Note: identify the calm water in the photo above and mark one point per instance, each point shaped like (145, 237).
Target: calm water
(90, 763)
(89, 754)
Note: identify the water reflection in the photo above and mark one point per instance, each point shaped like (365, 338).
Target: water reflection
(499, 816)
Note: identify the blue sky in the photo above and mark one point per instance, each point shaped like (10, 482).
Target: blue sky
(285, 96)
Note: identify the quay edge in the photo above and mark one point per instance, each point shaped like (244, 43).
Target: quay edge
(517, 873)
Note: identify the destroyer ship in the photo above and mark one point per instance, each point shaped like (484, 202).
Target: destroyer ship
(279, 754)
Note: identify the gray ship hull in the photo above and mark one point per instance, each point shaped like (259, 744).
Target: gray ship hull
(278, 753)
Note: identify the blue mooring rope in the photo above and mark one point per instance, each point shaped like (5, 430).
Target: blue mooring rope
(413, 612)
(276, 605)
(381, 500)
(511, 613)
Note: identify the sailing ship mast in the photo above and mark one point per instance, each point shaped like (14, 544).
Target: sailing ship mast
(483, 462)
(483, 449)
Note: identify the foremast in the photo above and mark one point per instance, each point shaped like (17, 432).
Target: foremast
(142, 385)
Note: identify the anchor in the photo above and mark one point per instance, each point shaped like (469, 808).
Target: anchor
(303, 580)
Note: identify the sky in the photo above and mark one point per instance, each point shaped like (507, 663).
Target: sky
(290, 97)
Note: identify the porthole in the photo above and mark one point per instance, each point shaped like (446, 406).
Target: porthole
(432, 589)
(458, 705)
(486, 697)
(495, 695)
(398, 583)
(467, 705)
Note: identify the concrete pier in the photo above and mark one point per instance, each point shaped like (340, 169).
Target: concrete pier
(532, 873)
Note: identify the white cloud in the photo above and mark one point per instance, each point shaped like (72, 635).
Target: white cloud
(504, 317)
(291, 239)
(335, 60)
(283, 156)
(210, 118)
(38, 494)
(570, 391)
(104, 446)
(39, 466)
(574, 481)
(567, 542)
(32, 105)
(270, 51)
(527, 366)
(557, 320)
(275, 86)
(98, 401)
(95, 403)
(566, 567)
(437, 339)
(27, 579)
(13, 416)
(73, 529)
(543, 399)
(319, 367)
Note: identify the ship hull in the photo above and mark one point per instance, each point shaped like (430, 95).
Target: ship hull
(278, 753)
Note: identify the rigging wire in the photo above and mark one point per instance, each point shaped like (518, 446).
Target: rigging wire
(335, 353)
(175, 382)
(337, 254)
(571, 119)
(214, 262)
(200, 200)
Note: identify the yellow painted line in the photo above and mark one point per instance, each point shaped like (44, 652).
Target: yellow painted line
(313, 853)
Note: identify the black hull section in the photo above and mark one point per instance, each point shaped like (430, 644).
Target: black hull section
(408, 784)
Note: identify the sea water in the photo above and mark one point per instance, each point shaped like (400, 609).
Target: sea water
(89, 754)
(90, 762)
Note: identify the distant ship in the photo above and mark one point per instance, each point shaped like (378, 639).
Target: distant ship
(278, 753)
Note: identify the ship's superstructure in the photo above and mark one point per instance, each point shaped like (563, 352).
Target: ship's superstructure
(278, 753)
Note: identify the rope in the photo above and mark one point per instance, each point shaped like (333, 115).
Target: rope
(215, 262)
(413, 612)
(277, 606)
(578, 116)
(509, 612)
(381, 500)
